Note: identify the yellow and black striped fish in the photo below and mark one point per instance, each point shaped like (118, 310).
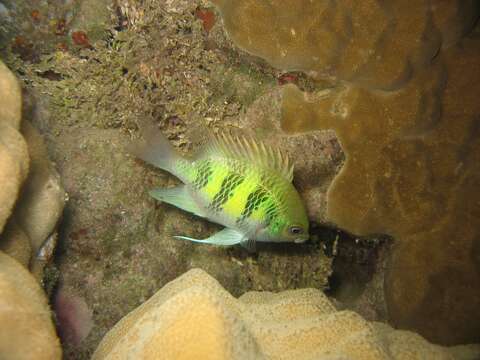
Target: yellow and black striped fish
(236, 182)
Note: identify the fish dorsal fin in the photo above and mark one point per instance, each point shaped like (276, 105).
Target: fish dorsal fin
(250, 149)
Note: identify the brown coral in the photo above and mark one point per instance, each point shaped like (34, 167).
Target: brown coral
(14, 158)
(373, 43)
(412, 152)
(28, 181)
(27, 327)
(42, 200)
(412, 172)
(193, 317)
(26, 224)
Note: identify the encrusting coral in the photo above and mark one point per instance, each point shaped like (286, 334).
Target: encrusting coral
(25, 317)
(41, 203)
(193, 317)
(373, 43)
(411, 171)
(32, 198)
(14, 158)
(31, 202)
(412, 152)
(15, 243)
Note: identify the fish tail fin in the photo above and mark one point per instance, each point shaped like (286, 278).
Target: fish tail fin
(155, 149)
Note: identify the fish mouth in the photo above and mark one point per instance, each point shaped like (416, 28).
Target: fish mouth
(299, 240)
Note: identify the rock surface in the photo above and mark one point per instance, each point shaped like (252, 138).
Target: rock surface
(32, 29)
(193, 317)
(27, 327)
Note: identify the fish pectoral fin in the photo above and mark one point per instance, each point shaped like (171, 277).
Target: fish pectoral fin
(226, 237)
(178, 196)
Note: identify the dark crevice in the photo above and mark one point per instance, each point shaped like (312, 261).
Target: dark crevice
(122, 20)
(355, 259)
(51, 75)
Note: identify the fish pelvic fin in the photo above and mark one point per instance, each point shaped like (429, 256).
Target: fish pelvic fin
(226, 237)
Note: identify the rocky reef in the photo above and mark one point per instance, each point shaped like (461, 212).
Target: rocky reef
(374, 101)
(397, 84)
(194, 317)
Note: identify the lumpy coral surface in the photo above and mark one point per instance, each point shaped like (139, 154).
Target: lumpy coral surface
(27, 327)
(401, 97)
(411, 171)
(373, 43)
(193, 317)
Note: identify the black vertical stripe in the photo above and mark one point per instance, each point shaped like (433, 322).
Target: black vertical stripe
(229, 183)
(271, 214)
(254, 200)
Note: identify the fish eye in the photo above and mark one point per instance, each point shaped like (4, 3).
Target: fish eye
(295, 230)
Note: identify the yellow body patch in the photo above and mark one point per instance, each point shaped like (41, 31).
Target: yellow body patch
(236, 204)
(215, 183)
